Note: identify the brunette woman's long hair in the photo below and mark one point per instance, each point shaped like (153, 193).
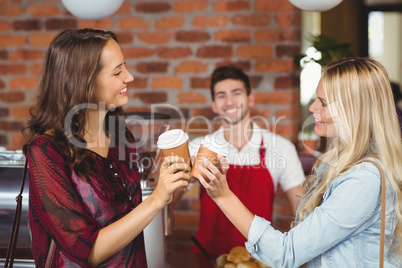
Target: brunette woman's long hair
(361, 132)
(72, 64)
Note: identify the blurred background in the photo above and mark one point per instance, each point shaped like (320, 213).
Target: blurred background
(172, 47)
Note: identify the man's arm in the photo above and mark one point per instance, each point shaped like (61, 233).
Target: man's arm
(294, 196)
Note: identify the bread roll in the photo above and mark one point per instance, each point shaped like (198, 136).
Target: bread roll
(247, 264)
(221, 260)
(238, 254)
(229, 265)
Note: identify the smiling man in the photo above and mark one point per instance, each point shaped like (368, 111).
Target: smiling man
(259, 161)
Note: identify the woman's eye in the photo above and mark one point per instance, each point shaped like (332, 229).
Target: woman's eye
(117, 74)
(323, 104)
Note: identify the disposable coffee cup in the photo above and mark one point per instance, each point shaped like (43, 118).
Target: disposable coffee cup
(174, 143)
(209, 149)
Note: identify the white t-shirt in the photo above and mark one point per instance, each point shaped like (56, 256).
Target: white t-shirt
(281, 157)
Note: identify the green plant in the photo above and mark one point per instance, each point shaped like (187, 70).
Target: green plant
(330, 49)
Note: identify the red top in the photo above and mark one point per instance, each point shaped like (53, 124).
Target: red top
(71, 210)
(253, 185)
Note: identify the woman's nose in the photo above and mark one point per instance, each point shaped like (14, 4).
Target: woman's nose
(313, 107)
(129, 78)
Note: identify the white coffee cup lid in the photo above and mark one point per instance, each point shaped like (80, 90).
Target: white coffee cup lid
(215, 145)
(172, 138)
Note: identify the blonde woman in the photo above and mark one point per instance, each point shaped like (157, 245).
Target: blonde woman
(338, 220)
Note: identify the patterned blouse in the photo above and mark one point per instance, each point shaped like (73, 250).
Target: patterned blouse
(71, 210)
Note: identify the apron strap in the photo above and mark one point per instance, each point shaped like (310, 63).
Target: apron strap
(262, 150)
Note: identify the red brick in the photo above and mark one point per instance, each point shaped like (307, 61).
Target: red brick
(276, 35)
(4, 112)
(41, 39)
(2, 84)
(223, 6)
(152, 67)
(139, 82)
(20, 112)
(151, 97)
(288, 19)
(23, 83)
(4, 140)
(26, 54)
(253, 20)
(152, 7)
(292, 113)
(287, 50)
(156, 37)
(255, 81)
(170, 23)
(137, 52)
(273, 5)
(276, 97)
(198, 128)
(192, 36)
(199, 82)
(27, 25)
(244, 65)
(254, 51)
(191, 98)
(11, 126)
(130, 109)
(5, 26)
(12, 40)
(96, 24)
(215, 51)
(206, 112)
(233, 35)
(125, 37)
(4, 54)
(286, 82)
(36, 68)
(44, 10)
(167, 82)
(133, 23)
(61, 24)
(191, 67)
(190, 6)
(125, 8)
(206, 22)
(17, 141)
(12, 69)
(259, 114)
(11, 11)
(274, 66)
(12, 97)
(173, 52)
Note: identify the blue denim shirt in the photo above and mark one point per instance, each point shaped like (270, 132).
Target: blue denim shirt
(344, 231)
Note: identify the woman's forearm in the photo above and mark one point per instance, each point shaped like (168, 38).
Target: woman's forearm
(236, 212)
(114, 237)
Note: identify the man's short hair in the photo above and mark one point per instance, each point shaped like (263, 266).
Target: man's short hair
(229, 72)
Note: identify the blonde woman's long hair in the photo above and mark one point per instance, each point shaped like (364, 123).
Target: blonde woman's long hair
(359, 93)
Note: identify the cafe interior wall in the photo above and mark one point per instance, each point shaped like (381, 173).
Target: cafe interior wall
(171, 48)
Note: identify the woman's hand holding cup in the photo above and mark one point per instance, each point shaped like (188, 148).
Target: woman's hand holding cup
(173, 174)
(217, 185)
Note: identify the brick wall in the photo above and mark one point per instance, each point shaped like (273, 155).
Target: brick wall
(171, 48)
